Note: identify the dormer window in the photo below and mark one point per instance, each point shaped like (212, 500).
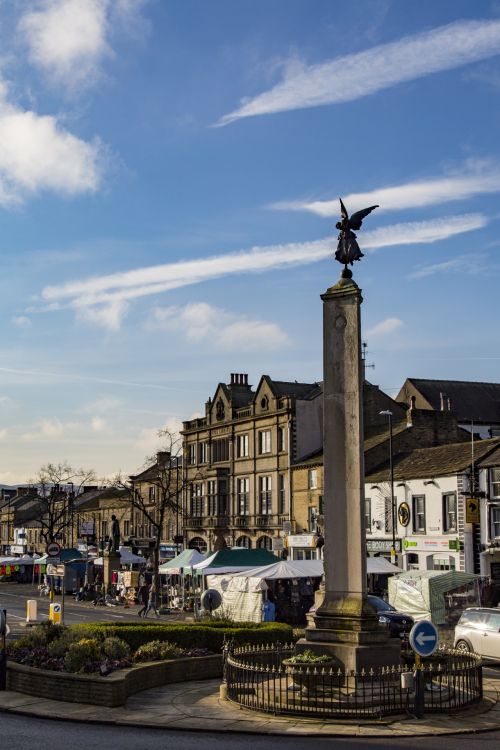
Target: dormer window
(220, 411)
(264, 403)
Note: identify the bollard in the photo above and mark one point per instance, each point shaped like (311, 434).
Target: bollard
(419, 688)
(55, 614)
(31, 610)
(223, 692)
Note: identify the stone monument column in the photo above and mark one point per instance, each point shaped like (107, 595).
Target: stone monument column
(345, 625)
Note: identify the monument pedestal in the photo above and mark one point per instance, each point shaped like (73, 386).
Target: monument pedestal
(111, 565)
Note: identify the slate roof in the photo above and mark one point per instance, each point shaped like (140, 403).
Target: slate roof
(469, 400)
(440, 461)
(294, 389)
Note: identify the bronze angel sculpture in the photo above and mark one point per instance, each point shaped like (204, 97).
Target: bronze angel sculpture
(348, 249)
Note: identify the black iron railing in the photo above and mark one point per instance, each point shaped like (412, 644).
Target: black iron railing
(259, 678)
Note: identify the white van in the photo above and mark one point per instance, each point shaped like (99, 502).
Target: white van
(478, 630)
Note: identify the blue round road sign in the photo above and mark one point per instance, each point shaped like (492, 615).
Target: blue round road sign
(424, 638)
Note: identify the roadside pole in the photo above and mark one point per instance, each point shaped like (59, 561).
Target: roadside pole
(3, 654)
(418, 709)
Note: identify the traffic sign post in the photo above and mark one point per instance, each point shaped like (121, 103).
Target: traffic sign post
(53, 549)
(423, 640)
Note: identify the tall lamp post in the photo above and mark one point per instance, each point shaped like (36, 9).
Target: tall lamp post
(387, 413)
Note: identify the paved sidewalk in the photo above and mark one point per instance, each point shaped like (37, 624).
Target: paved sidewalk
(196, 706)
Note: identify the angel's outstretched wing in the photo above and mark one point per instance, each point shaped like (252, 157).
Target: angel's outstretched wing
(343, 210)
(357, 219)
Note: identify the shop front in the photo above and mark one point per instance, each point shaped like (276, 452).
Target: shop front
(431, 553)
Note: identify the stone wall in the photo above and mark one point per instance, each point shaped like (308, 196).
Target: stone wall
(114, 689)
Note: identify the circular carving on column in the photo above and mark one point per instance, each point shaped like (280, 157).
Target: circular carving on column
(340, 321)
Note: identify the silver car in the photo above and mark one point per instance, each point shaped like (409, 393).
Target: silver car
(478, 630)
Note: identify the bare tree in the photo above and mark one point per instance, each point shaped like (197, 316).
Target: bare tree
(57, 486)
(164, 473)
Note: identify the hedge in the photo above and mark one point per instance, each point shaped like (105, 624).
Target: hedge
(187, 635)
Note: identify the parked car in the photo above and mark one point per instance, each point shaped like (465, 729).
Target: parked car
(478, 630)
(398, 623)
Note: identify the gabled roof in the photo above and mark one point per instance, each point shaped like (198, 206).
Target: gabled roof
(440, 461)
(470, 400)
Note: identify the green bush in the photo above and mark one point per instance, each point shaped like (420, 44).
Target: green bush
(58, 647)
(82, 655)
(115, 648)
(156, 650)
(40, 635)
(187, 635)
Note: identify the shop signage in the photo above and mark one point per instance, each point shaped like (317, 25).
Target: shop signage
(472, 510)
(436, 545)
(301, 540)
(382, 545)
(87, 528)
(404, 514)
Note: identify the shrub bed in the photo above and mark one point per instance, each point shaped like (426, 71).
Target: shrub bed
(186, 635)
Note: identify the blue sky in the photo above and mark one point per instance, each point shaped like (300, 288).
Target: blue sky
(169, 182)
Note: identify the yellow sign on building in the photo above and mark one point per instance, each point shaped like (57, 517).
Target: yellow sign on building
(472, 510)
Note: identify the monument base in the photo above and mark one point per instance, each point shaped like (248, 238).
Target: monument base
(348, 629)
(111, 565)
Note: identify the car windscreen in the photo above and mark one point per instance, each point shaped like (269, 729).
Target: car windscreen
(380, 605)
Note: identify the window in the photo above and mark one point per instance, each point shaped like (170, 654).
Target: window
(152, 494)
(220, 450)
(368, 515)
(264, 496)
(244, 541)
(449, 512)
(104, 529)
(199, 544)
(312, 519)
(212, 497)
(312, 479)
(222, 499)
(203, 453)
(242, 496)
(265, 542)
(412, 560)
(495, 521)
(388, 515)
(281, 494)
(495, 483)
(192, 453)
(126, 528)
(265, 441)
(443, 563)
(419, 514)
(196, 500)
(281, 439)
(241, 446)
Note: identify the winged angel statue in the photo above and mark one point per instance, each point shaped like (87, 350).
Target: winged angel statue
(348, 249)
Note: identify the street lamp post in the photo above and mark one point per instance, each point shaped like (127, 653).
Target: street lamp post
(388, 413)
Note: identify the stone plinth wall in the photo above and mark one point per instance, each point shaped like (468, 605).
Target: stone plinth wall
(114, 689)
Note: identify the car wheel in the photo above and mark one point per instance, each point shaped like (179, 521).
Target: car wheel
(463, 646)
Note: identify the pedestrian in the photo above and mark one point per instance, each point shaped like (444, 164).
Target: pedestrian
(152, 602)
(143, 599)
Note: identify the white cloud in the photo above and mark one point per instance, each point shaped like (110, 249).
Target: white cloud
(107, 316)
(202, 322)
(351, 77)
(70, 39)
(111, 290)
(476, 178)
(102, 405)
(385, 327)
(37, 154)
(22, 321)
(98, 424)
(3, 434)
(150, 442)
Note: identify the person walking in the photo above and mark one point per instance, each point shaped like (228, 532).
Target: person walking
(143, 599)
(152, 602)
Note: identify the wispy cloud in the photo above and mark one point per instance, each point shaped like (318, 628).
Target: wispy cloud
(385, 327)
(70, 39)
(203, 322)
(21, 321)
(351, 77)
(476, 178)
(462, 263)
(76, 377)
(103, 292)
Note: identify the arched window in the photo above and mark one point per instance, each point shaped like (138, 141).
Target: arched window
(265, 542)
(198, 543)
(244, 541)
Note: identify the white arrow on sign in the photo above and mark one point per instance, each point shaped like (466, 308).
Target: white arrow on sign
(421, 639)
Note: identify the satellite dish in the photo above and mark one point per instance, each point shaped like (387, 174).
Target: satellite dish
(211, 599)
